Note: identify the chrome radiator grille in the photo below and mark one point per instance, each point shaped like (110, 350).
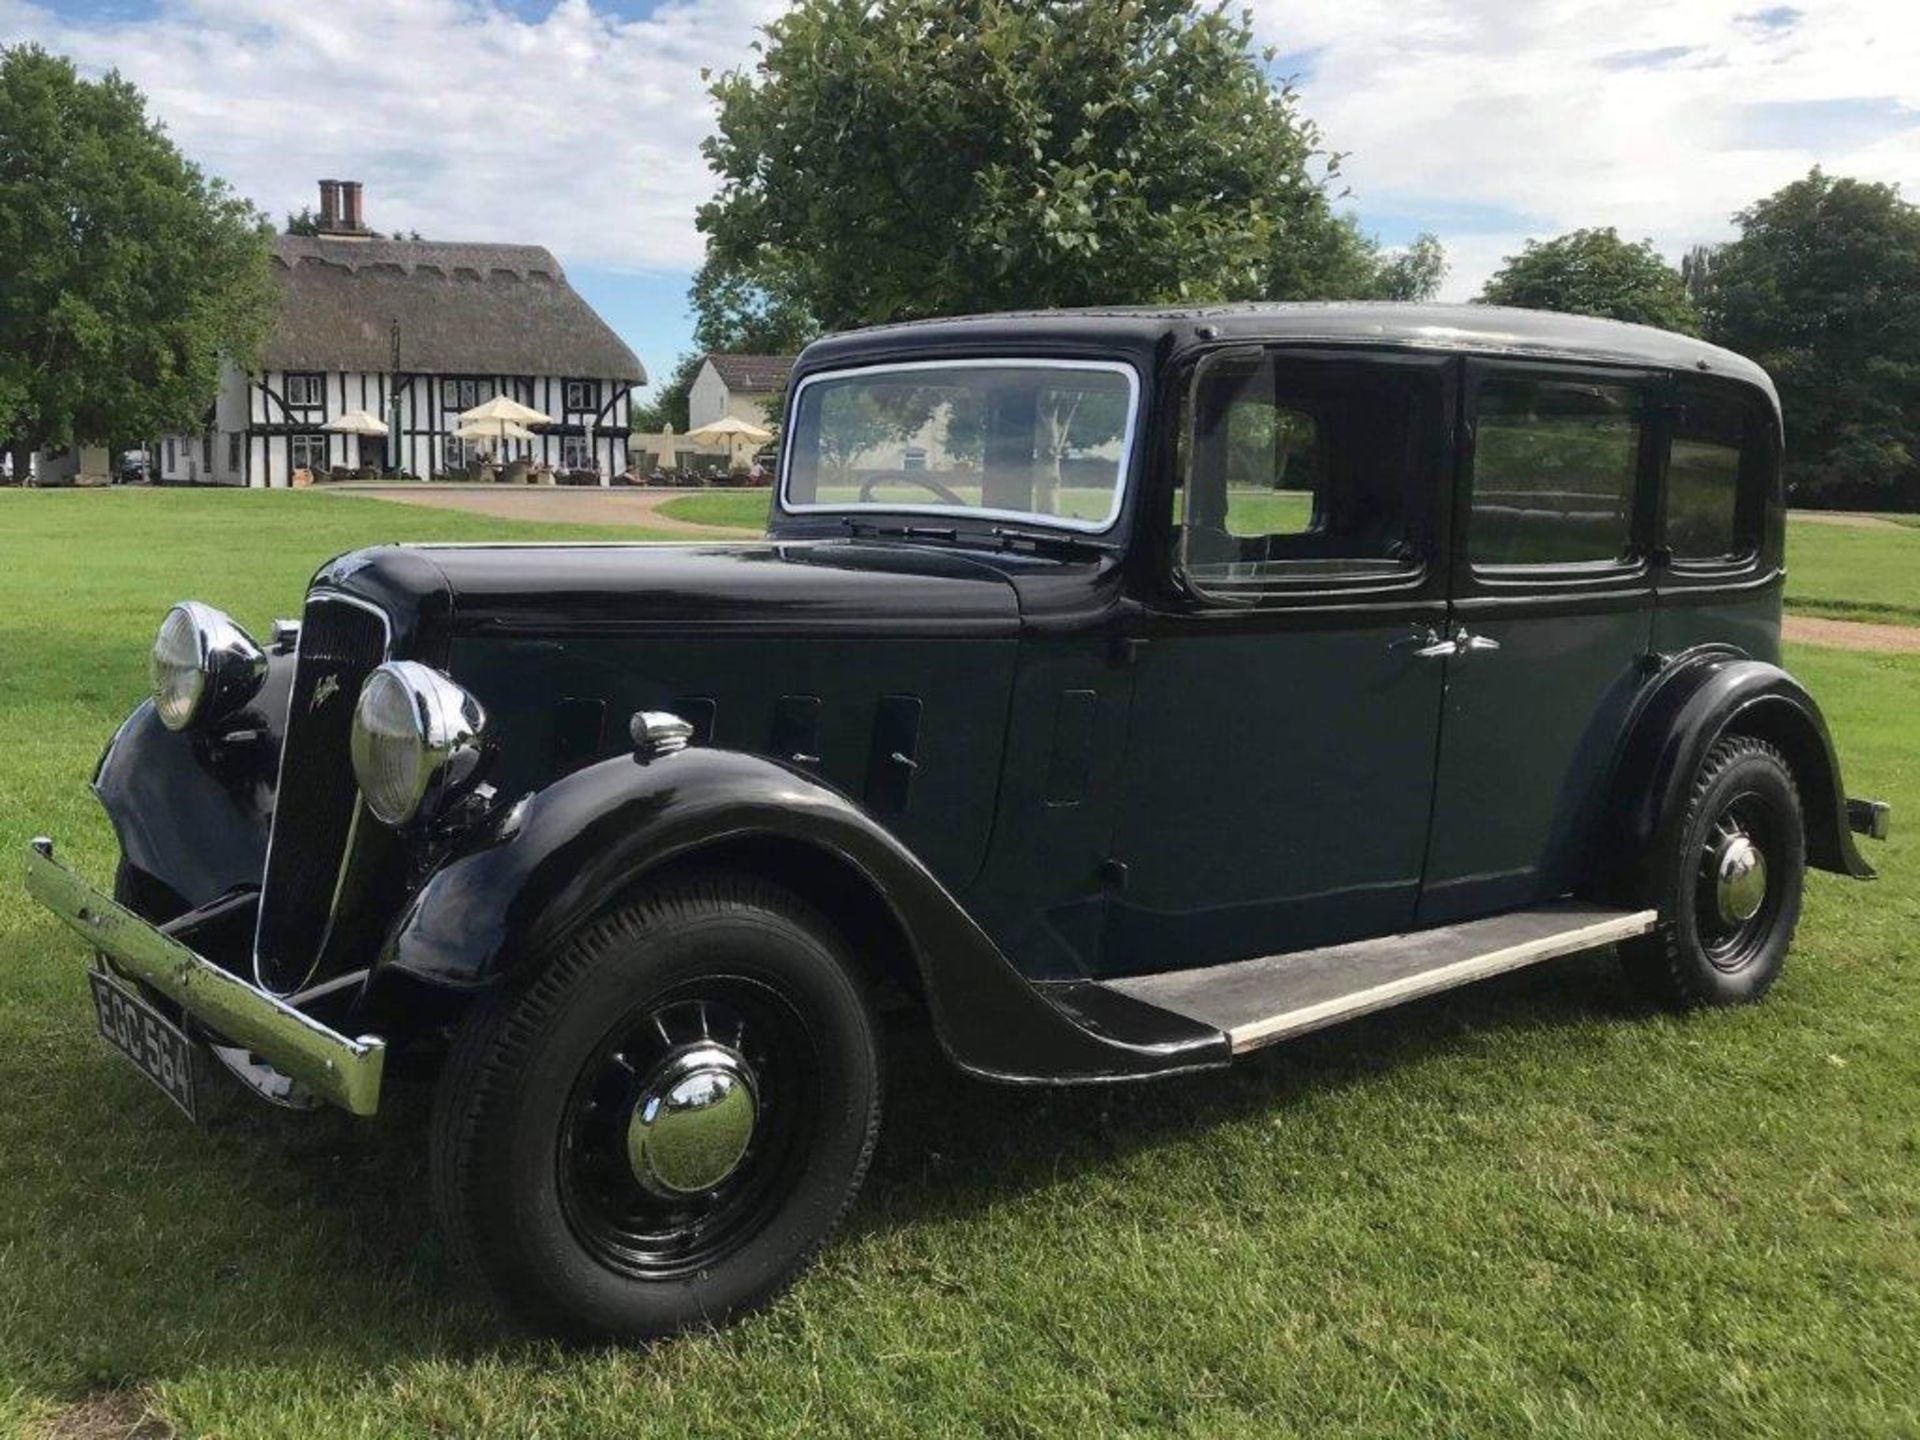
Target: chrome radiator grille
(341, 642)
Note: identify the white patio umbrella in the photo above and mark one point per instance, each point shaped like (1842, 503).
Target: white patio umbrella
(360, 423)
(499, 419)
(731, 431)
(357, 422)
(489, 433)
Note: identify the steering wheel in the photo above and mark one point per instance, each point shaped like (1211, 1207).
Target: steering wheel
(910, 477)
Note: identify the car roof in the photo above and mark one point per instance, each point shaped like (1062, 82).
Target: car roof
(1492, 330)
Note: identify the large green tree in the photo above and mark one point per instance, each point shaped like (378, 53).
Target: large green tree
(125, 274)
(1822, 287)
(889, 159)
(1595, 272)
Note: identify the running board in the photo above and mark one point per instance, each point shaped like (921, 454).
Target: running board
(1257, 1002)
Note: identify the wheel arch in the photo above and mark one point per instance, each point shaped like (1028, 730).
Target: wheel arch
(848, 898)
(1701, 697)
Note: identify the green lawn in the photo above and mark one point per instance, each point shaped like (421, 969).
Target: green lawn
(1854, 572)
(741, 509)
(1529, 1208)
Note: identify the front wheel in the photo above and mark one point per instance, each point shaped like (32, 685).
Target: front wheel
(1727, 883)
(662, 1127)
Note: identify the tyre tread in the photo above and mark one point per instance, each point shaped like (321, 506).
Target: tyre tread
(492, 1044)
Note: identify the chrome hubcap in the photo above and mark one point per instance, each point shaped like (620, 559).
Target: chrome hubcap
(1740, 879)
(693, 1121)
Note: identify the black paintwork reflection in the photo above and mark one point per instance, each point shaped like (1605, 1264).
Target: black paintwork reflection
(816, 590)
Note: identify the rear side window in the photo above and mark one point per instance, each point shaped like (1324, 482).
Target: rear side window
(1553, 472)
(1704, 470)
(1299, 471)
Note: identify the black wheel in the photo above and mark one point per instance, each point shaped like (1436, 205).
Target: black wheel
(1727, 882)
(664, 1124)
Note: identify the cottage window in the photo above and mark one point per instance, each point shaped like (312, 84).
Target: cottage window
(308, 452)
(306, 392)
(574, 452)
(458, 454)
(583, 395)
(233, 452)
(461, 394)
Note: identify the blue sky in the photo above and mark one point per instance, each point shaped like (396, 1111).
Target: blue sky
(576, 123)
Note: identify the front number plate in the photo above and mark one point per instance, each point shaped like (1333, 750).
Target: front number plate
(159, 1049)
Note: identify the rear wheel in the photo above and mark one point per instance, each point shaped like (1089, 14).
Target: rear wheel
(1727, 884)
(662, 1126)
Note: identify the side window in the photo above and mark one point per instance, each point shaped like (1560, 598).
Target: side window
(1302, 471)
(1704, 471)
(1553, 472)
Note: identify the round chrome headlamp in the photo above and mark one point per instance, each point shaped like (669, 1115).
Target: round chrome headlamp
(203, 665)
(419, 741)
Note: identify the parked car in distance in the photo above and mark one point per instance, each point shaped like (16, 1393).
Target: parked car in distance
(1128, 690)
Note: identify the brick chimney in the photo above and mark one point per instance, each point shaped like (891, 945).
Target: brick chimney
(342, 209)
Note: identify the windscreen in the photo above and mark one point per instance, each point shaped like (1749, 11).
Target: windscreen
(1015, 439)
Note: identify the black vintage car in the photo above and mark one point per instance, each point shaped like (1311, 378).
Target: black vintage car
(1129, 690)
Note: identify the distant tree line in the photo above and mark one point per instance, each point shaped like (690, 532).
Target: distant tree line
(886, 160)
(1821, 287)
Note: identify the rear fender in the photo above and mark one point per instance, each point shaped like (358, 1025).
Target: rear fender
(1701, 697)
(564, 854)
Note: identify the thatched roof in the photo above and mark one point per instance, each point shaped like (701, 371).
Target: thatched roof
(752, 374)
(462, 309)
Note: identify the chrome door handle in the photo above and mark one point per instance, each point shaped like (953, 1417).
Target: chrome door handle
(1426, 643)
(1462, 643)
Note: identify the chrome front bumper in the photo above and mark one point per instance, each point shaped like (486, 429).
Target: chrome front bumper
(337, 1069)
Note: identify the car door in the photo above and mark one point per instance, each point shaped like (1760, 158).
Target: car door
(1281, 745)
(1550, 627)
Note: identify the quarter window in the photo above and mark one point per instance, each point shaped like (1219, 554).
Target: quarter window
(1553, 472)
(1703, 481)
(1302, 472)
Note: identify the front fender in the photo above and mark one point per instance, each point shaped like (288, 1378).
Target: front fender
(1702, 697)
(562, 855)
(191, 810)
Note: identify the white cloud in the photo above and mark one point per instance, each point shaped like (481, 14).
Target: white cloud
(1504, 120)
(575, 129)
(1487, 120)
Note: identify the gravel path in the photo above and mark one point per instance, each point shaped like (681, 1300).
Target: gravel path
(579, 505)
(1847, 517)
(1853, 635)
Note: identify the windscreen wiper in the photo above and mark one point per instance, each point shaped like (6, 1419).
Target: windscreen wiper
(856, 526)
(1045, 542)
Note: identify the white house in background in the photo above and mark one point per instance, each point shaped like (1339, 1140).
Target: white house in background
(414, 332)
(743, 386)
